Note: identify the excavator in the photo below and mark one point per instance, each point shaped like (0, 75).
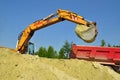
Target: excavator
(85, 30)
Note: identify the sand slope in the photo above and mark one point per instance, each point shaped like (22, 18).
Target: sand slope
(14, 66)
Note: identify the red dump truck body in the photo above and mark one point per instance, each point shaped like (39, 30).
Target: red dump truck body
(104, 55)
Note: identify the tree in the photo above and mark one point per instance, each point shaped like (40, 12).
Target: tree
(113, 45)
(41, 52)
(103, 43)
(61, 53)
(51, 52)
(67, 48)
(109, 45)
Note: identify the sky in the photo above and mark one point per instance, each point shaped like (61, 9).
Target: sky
(16, 15)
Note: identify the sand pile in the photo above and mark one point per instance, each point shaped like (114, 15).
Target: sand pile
(27, 67)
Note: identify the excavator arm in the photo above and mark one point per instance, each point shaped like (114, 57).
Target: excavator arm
(62, 15)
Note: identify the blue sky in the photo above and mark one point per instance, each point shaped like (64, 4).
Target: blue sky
(16, 15)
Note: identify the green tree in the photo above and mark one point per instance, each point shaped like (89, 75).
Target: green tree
(61, 53)
(67, 48)
(56, 55)
(103, 43)
(116, 46)
(109, 45)
(51, 52)
(41, 52)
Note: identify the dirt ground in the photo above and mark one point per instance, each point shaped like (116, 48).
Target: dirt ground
(15, 66)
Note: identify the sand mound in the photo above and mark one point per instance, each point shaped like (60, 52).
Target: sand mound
(27, 67)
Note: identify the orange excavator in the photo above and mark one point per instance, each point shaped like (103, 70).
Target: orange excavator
(87, 31)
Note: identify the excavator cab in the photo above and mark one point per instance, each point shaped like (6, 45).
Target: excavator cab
(30, 48)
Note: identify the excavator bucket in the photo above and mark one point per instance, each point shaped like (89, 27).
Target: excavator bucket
(86, 33)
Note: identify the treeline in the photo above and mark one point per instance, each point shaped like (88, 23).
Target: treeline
(50, 52)
(104, 43)
(64, 52)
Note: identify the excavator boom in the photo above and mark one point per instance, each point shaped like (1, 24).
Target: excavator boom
(51, 19)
